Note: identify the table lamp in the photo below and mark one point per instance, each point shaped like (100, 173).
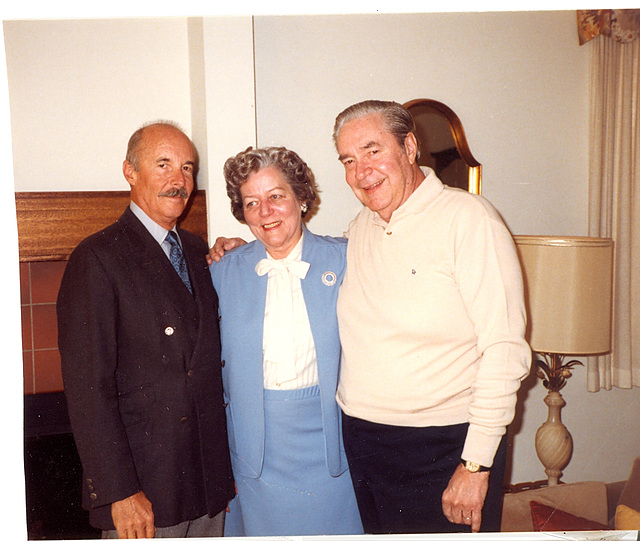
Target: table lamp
(568, 282)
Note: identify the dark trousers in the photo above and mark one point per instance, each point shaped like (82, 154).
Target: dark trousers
(399, 475)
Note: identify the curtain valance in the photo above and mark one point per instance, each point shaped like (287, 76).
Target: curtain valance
(622, 25)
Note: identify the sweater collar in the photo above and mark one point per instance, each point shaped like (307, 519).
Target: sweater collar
(418, 201)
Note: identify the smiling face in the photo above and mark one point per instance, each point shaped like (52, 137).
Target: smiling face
(164, 178)
(272, 211)
(381, 173)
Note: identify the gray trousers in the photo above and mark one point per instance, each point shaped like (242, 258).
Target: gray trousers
(200, 527)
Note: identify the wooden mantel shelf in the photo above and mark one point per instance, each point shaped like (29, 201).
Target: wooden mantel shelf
(51, 224)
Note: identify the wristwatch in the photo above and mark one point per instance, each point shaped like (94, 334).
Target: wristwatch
(473, 467)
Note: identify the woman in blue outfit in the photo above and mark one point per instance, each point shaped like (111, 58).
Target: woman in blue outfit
(281, 354)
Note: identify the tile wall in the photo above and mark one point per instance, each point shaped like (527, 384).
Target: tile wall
(39, 284)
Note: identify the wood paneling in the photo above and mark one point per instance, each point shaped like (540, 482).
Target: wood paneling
(51, 224)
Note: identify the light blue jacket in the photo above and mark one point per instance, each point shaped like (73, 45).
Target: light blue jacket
(242, 295)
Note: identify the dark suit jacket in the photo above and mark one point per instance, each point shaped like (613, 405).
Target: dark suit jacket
(141, 370)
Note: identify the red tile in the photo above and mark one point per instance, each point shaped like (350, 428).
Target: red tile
(26, 327)
(45, 326)
(25, 291)
(48, 371)
(45, 280)
(27, 370)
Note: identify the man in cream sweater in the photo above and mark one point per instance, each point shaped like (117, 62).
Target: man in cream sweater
(432, 323)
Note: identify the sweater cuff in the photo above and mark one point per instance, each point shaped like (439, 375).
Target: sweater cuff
(480, 447)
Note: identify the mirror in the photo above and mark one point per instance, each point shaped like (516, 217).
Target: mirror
(443, 145)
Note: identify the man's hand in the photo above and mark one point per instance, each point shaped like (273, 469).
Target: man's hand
(463, 499)
(236, 487)
(133, 517)
(222, 245)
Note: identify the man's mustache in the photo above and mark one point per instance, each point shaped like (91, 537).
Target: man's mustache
(175, 192)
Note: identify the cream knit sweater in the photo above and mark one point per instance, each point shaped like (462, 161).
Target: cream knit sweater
(432, 318)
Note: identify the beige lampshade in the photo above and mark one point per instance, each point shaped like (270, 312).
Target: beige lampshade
(568, 293)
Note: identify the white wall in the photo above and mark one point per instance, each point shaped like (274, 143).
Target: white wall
(79, 88)
(518, 81)
(231, 113)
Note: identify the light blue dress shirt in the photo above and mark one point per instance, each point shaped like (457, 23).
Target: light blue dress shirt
(157, 231)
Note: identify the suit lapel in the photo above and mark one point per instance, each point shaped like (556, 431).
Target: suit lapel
(154, 264)
(254, 288)
(196, 266)
(319, 303)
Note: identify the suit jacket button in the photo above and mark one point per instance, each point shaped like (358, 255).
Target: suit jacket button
(169, 331)
(190, 373)
(222, 363)
(93, 496)
(183, 420)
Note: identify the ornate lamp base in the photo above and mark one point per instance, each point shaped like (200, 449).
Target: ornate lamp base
(554, 444)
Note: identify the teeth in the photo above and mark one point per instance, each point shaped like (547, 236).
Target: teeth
(374, 185)
(271, 226)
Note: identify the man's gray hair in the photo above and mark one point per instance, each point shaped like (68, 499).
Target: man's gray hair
(135, 141)
(396, 119)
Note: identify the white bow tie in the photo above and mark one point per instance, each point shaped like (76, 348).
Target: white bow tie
(297, 268)
(280, 293)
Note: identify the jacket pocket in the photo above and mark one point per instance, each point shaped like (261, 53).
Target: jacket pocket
(135, 406)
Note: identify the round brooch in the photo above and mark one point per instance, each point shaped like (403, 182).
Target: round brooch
(329, 278)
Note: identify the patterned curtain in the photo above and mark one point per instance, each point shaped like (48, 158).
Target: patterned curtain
(614, 181)
(622, 25)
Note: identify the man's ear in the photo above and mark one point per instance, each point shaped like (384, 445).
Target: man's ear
(411, 147)
(129, 172)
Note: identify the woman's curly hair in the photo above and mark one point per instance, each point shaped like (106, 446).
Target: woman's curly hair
(296, 172)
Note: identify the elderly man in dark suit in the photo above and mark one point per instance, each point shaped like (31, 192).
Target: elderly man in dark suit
(140, 347)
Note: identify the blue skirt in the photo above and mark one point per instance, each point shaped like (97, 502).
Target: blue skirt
(295, 494)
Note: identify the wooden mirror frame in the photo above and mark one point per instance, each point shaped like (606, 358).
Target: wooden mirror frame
(459, 138)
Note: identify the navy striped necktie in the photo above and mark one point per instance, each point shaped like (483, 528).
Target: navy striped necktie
(177, 258)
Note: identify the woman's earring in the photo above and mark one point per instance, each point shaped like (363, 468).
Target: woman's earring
(303, 207)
